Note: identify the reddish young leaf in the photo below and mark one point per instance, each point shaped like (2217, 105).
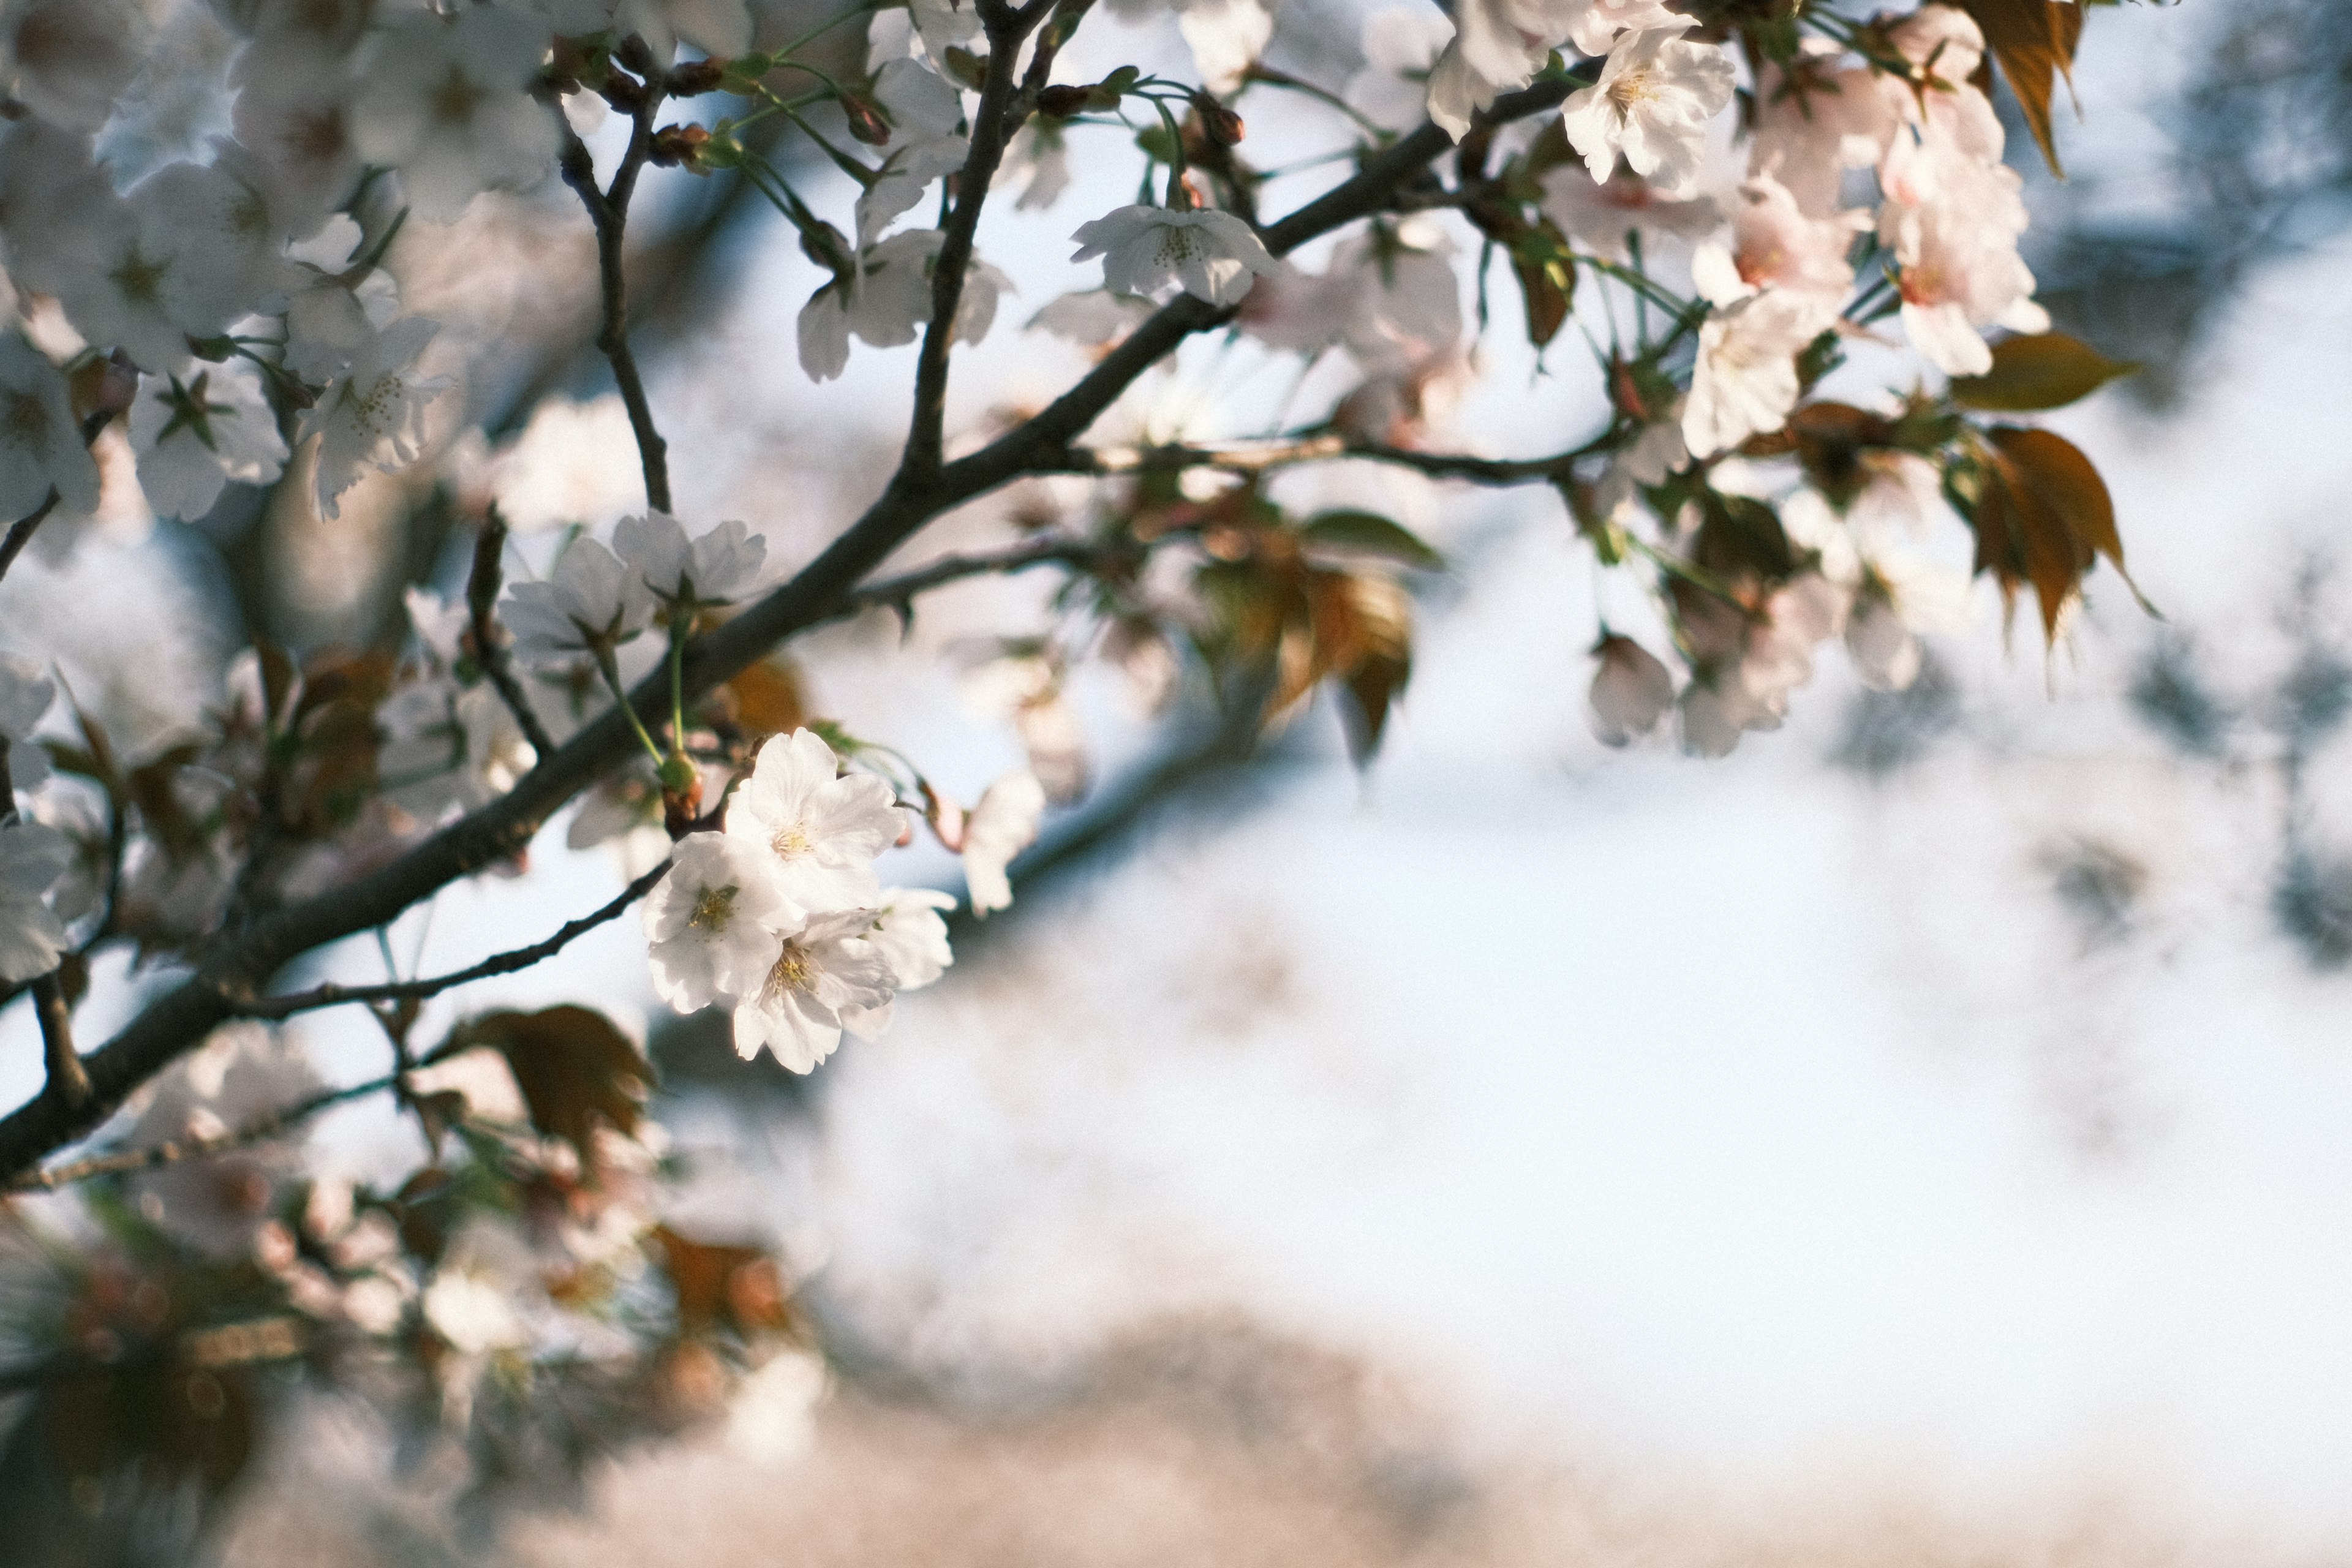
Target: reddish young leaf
(2034, 40)
(574, 1067)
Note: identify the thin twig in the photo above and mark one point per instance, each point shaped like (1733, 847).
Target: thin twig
(897, 592)
(332, 995)
(150, 1156)
(992, 127)
(608, 211)
(1260, 456)
(481, 599)
(20, 534)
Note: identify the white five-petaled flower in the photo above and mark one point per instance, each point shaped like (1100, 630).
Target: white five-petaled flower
(1003, 824)
(589, 604)
(375, 413)
(24, 696)
(446, 102)
(196, 430)
(40, 443)
(32, 859)
(1212, 254)
(1631, 690)
(923, 111)
(820, 829)
(827, 977)
(885, 295)
(912, 939)
(718, 568)
(1653, 101)
(713, 923)
(881, 296)
(1745, 381)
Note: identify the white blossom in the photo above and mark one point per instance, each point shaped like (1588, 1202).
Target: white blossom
(452, 745)
(1815, 120)
(827, 977)
(68, 60)
(1212, 254)
(923, 111)
(1401, 45)
(1003, 824)
(1092, 318)
(293, 114)
(1631, 690)
(375, 413)
(25, 697)
(713, 923)
(46, 171)
(822, 830)
(719, 29)
(335, 310)
(590, 604)
(718, 568)
(445, 101)
(1601, 215)
(1776, 245)
(1745, 381)
(881, 297)
(1226, 37)
(1653, 101)
(40, 442)
(196, 430)
(221, 1205)
(1036, 165)
(911, 936)
(32, 859)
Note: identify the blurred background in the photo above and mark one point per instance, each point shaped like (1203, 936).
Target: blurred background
(1916, 1137)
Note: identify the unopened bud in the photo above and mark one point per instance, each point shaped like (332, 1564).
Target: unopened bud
(696, 78)
(1222, 124)
(634, 53)
(1062, 101)
(676, 144)
(681, 803)
(865, 121)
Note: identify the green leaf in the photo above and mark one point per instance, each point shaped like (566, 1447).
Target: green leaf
(1369, 533)
(2048, 369)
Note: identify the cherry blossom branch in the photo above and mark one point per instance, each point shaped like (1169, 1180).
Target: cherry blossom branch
(898, 593)
(123, 1162)
(238, 962)
(333, 996)
(481, 601)
(1260, 456)
(991, 126)
(608, 213)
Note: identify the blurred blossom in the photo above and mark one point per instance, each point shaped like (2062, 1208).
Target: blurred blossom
(1003, 824)
(575, 462)
(219, 1203)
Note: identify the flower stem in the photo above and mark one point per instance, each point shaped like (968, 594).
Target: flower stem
(610, 668)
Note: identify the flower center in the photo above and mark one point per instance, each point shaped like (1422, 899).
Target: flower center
(27, 422)
(140, 280)
(1636, 86)
(714, 909)
(453, 98)
(791, 841)
(1176, 244)
(793, 971)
